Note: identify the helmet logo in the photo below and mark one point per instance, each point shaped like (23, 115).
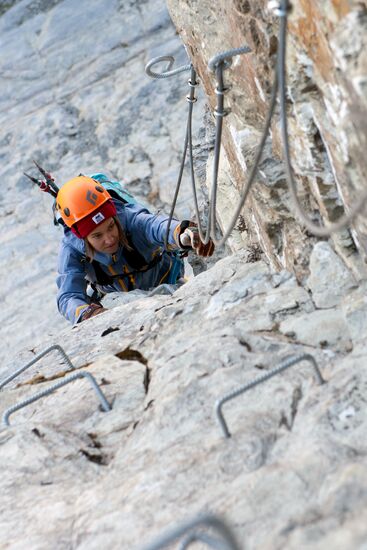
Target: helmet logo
(98, 218)
(91, 197)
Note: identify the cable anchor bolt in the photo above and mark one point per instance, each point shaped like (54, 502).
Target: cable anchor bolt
(280, 8)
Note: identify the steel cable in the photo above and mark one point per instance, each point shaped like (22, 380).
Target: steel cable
(191, 100)
(218, 63)
(345, 220)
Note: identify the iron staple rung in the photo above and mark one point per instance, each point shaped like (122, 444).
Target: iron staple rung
(283, 366)
(210, 521)
(105, 405)
(206, 539)
(34, 360)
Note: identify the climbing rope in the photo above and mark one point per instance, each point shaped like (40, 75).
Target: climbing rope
(104, 403)
(259, 380)
(228, 541)
(37, 358)
(218, 64)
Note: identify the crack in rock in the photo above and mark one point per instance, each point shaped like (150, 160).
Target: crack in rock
(289, 422)
(129, 354)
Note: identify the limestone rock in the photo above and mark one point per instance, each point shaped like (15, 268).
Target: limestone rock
(319, 328)
(325, 81)
(329, 278)
(293, 473)
(354, 308)
(163, 363)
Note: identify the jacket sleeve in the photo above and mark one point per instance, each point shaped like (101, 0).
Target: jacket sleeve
(153, 227)
(72, 298)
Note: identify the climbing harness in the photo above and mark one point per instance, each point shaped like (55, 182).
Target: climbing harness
(259, 380)
(55, 347)
(218, 64)
(104, 403)
(227, 540)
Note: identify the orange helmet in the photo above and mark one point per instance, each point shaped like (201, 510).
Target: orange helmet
(79, 197)
(84, 203)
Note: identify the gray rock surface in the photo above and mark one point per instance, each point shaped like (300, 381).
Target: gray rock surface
(75, 97)
(293, 473)
(291, 476)
(329, 279)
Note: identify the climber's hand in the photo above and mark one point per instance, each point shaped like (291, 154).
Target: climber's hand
(92, 311)
(190, 238)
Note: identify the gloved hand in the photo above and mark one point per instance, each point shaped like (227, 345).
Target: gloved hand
(190, 238)
(92, 311)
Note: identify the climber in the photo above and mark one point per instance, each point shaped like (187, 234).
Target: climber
(116, 245)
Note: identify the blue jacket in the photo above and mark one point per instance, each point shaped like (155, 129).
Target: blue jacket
(146, 233)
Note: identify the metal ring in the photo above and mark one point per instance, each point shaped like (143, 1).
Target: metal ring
(191, 99)
(223, 113)
(191, 84)
(222, 92)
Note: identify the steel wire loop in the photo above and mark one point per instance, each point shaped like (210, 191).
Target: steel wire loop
(167, 72)
(277, 370)
(104, 403)
(209, 521)
(34, 360)
(226, 57)
(345, 220)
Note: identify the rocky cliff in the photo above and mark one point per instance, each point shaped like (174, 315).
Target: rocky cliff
(326, 109)
(75, 97)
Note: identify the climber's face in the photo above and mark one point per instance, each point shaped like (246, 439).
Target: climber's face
(105, 238)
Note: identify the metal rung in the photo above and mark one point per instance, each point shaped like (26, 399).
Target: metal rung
(204, 538)
(105, 404)
(228, 541)
(242, 389)
(37, 358)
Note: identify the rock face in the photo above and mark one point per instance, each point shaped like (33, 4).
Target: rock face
(327, 100)
(74, 96)
(291, 476)
(329, 277)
